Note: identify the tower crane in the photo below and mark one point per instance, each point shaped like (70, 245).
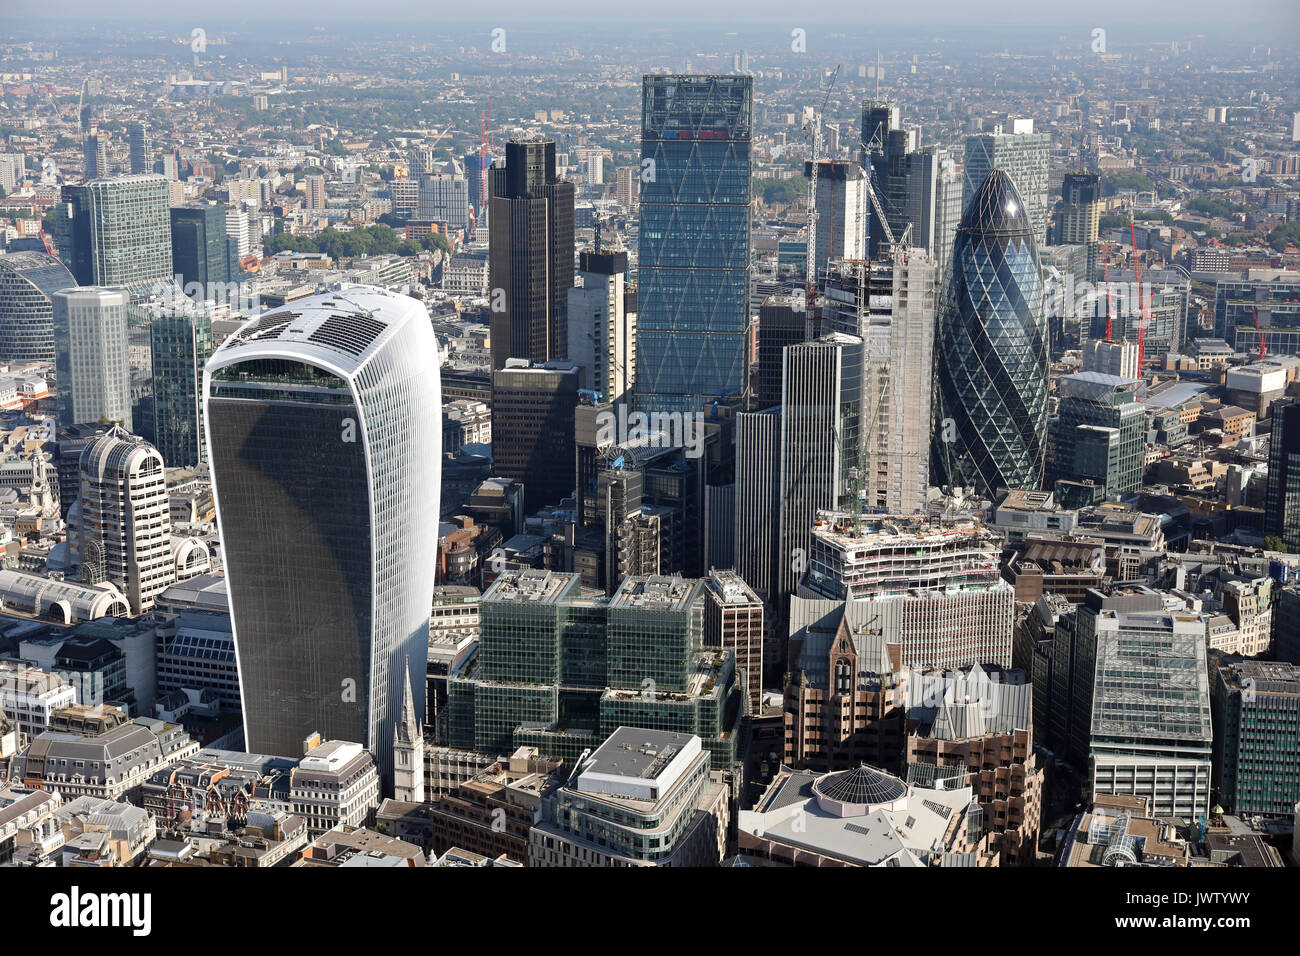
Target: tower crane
(810, 261)
(1142, 311)
(486, 119)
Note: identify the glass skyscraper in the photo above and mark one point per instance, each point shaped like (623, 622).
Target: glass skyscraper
(324, 439)
(141, 148)
(1023, 155)
(1081, 216)
(695, 239)
(1282, 504)
(199, 251)
(27, 281)
(821, 444)
(990, 404)
(116, 232)
(180, 343)
(530, 258)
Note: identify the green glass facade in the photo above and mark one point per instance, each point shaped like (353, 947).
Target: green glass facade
(180, 344)
(116, 232)
(1099, 433)
(560, 671)
(1256, 714)
(650, 646)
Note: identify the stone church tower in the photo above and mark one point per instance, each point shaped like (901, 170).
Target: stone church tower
(408, 751)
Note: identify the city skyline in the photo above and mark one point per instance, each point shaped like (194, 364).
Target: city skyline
(680, 438)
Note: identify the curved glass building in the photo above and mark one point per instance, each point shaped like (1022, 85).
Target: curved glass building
(323, 421)
(27, 281)
(990, 381)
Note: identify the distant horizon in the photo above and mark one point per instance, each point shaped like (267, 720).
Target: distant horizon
(933, 16)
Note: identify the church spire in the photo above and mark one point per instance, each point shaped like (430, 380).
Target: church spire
(407, 729)
(408, 747)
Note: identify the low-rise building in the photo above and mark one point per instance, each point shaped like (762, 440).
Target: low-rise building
(113, 765)
(493, 813)
(196, 651)
(266, 839)
(352, 846)
(863, 817)
(26, 820)
(101, 832)
(1118, 830)
(335, 784)
(29, 696)
(643, 798)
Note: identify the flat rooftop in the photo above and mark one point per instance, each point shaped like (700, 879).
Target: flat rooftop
(529, 586)
(730, 588)
(637, 752)
(1027, 500)
(655, 591)
(886, 531)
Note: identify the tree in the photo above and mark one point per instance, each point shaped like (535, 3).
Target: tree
(1279, 237)
(436, 240)
(781, 190)
(1273, 543)
(1117, 180)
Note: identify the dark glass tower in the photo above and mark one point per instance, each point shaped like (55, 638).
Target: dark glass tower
(530, 242)
(693, 307)
(781, 322)
(180, 343)
(199, 251)
(533, 428)
(1282, 506)
(141, 148)
(990, 405)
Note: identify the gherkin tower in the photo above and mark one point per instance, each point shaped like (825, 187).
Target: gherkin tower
(990, 376)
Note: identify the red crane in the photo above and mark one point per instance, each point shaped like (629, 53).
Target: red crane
(1258, 332)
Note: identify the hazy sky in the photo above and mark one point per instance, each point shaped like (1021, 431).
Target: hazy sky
(1278, 15)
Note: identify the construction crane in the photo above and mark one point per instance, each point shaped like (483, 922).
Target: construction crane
(1110, 315)
(438, 139)
(486, 119)
(810, 260)
(870, 182)
(1258, 332)
(1142, 312)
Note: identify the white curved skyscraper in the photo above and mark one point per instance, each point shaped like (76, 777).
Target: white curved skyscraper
(324, 428)
(123, 518)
